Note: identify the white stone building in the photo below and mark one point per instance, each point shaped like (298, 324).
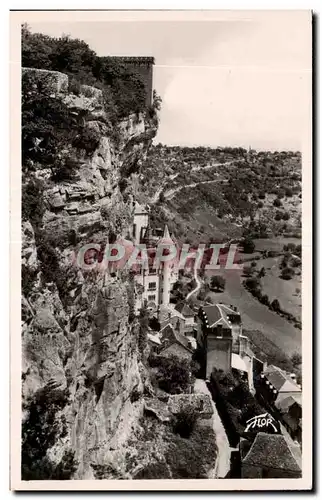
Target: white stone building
(152, 286)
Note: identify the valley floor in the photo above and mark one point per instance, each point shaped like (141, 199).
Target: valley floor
(257, 316)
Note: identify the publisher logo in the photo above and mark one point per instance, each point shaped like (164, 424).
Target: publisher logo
(260, 421)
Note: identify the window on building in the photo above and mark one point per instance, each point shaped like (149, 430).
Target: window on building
(152, 285)
(151, 298)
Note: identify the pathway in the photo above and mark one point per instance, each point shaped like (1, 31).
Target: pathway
(171, 192)
(206, 167)
(222, 465)
(195, 275)
(156, 195)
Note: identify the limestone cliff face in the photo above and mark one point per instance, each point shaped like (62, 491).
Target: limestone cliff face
(76, 331)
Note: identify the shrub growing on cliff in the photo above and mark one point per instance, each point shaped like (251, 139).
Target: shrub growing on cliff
(40, 431)
(48, 126)
(32, 201)
(28, 278)
(173, 375)
(45, 469)
(184, 422)
(192, 458)
(143, 329)
(87, 139)
(125, 88)
(49, 263)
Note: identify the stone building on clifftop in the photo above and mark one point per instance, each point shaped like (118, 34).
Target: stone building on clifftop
(152, 285)
(144, 67)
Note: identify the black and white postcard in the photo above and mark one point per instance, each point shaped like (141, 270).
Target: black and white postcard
(161, 245)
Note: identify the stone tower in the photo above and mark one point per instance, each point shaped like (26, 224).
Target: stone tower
(144, 67)
(166, 270)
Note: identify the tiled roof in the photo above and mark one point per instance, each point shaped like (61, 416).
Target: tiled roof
(180, 339)
(271, 451)
(281, 381)
(155, 339)
(219, 314)
(284, 404)
(165, 324)
(184, 309)
(228, 310)
(212, 314)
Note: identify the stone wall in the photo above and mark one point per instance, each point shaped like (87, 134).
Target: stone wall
(144, 67)
(50, 82)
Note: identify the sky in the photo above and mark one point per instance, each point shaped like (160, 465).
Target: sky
(225, 80)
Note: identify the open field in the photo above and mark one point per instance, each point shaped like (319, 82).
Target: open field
(283, 290)
(276, 244)
(256, 316)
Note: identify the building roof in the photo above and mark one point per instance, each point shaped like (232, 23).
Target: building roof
(238, 363)
(177, 337)
(140, 209)
(184, 309)
(164, 324)
(217, 315)
(285, 403)
(155, 339)
(211, 314)
(281, 381)
(192, 341)
(228, 309)
(166, 238)
(271, 451)
(176, 314)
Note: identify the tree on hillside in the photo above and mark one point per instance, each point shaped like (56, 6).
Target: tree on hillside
(278, 215)
(290, 247)
(252, 284)
(287, 273)
(248, 245)
(218, 283)
(248, 271)
(262, 272)
(296, 359)
(264, 300)
(275, 305)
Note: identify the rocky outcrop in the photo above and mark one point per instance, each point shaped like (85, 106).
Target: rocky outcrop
(76, 330)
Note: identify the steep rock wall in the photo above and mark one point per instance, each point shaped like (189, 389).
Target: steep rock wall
(76, 331)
